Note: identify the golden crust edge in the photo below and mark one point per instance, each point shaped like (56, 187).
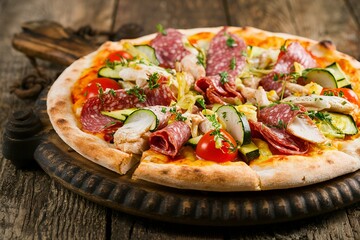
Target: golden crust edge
(215, 177)
(298, 171)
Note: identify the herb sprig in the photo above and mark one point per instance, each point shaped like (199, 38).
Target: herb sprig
(178, 116)
(224, 77)
(161, 29)
(153, 80)
(138, 92)
(218, 136)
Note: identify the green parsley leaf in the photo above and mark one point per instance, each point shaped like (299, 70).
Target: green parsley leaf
(341, 94)
(178, 116)
(161, 29)
(230, 42)
(138, 92)
(201, 59)
(223, 77)
(276, 77)
(153, 80)
(218, 136)
(233, 63)
(201, 102)
(281, 124)
(112, 92)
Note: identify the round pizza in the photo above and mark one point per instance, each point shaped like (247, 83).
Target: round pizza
(215, 109)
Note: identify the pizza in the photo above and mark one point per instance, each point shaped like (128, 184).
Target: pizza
(215, 109)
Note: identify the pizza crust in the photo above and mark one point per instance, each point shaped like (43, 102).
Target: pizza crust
(227, 177)
(281, 172)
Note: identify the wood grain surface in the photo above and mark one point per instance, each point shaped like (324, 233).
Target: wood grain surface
(33, 206)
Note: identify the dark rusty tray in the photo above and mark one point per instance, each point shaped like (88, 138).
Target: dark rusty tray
(184, 206)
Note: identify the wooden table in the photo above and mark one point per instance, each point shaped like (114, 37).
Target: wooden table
(32, 205)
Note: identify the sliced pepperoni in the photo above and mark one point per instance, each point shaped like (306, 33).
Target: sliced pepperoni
(169, 48)
(279, 115)
(294, 53)
(93, 121)
(225, 54)
(216, 92)
(170, 139)
(279, 139)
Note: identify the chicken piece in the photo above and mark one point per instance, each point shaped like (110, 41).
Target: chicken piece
(130, 141)
(304, 128)
(247, 92)
(320, 102)
(261, 97)
(140, 73)
(190, 65)
(251, 82)
(296, 88)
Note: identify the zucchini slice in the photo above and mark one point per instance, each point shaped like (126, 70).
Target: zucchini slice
(119, 114)
(321, 76)
(345, 123)
(110, 72)
(194, 141)
(235, 123)
(249, 152)
(149, 52)
(340, 77)
(142, 119)
(338, 126)
(330, 77)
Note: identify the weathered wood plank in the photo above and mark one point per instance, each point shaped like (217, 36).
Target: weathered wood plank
(31, 204)
(260, 14)
(354, 8)
(176, 14)
(306, 18)
(315, 22)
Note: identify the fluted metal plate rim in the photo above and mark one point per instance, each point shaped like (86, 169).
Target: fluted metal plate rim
(192, 207)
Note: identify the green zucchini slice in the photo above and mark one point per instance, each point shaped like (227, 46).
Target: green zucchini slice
(235, 123)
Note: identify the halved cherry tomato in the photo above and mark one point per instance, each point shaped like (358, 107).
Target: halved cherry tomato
(93, 88)
(346, 93)
(207, 150)
(118, 55)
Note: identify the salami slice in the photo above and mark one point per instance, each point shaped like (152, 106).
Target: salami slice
(225, 54)
(216, 92)
(170, 139)
(279, 115)
(93, 121)
(279, 139)
(294, 53)
(169, 47)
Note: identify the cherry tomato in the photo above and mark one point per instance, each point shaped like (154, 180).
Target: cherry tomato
(118, 55)
(207, 150)
(93, 88)
(346, 93)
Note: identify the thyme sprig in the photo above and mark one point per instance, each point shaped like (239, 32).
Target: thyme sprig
(218, 136)
(138, 92)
